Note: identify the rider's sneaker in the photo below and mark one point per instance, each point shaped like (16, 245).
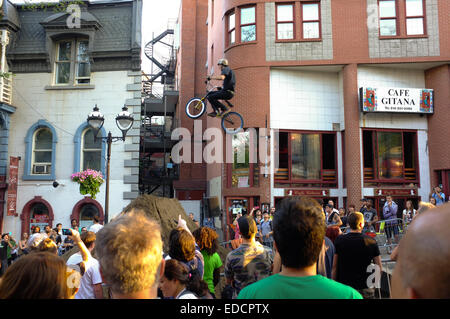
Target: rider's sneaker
(213, 114)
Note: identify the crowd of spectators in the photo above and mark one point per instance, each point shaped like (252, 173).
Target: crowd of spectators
(298, 251)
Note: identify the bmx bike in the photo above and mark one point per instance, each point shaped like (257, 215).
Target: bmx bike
(232, 122)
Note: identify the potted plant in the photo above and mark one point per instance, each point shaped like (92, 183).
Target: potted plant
(89, 180)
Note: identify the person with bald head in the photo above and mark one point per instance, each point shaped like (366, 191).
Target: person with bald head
(423, 264)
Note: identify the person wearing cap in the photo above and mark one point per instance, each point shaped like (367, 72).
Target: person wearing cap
(251, 261)
(227, 90)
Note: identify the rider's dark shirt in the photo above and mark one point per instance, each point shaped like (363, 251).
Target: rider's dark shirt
(230, 79)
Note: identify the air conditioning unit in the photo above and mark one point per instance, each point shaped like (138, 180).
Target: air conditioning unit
(41, 168)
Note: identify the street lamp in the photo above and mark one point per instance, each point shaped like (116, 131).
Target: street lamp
(124, 121)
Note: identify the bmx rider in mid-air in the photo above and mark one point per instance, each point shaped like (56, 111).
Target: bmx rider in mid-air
(226, 92)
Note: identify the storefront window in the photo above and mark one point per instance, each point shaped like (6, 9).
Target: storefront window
(244, 170)
(305, 156)
(390, 155)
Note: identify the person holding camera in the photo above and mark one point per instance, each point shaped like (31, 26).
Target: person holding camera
(438, 195)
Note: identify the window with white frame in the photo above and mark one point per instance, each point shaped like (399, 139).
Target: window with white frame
(91, 154)
(42, 152)
(72, 66)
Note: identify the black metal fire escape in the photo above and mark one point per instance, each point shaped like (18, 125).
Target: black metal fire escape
(160, 97)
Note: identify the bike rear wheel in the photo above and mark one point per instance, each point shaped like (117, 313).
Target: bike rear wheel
(232, 122)
(195, 108)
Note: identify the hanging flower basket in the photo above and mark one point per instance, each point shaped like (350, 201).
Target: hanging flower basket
(89, 180)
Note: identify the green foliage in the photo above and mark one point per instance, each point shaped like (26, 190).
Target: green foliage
(61, 6)
(89, 180)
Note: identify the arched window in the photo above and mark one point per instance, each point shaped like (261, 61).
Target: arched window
(91, 153)
(88, 211)
(42, 152)
(40, 157)
(37, 212)
(39, 216)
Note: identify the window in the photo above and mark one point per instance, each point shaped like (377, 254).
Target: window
(92, 151)
(231, 28)
(89, 153)
(311, 20)
(390, 156)
(285, 21)
(414, 17)
(87, 213)
(248, 24)
(402, 18)
(72, 64)
(388, 17)
(306, 158)
(244, 169)
(40, 152)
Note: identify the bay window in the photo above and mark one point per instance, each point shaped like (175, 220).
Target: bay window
(248, 24)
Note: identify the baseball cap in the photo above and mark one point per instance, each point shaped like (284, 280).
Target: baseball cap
(363, 199)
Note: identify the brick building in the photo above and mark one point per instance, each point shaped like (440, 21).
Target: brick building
(299, 67)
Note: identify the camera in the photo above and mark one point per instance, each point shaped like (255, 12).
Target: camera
(66, 231)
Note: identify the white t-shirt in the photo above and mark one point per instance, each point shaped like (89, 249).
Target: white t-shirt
(185, 294)
(90, 278)
(95, 228)
(75, 259)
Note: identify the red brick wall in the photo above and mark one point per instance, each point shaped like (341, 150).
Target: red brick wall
(438, 124)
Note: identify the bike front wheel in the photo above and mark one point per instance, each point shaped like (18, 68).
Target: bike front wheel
(195, 108)
(232, 122)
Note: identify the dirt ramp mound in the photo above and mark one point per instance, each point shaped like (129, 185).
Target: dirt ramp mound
(165, 211)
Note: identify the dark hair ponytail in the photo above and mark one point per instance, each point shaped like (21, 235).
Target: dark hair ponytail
(175, 269)
(196, 284)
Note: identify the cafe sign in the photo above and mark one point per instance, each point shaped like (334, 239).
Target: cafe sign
(307, 192)
(396, 100)
(396, 192)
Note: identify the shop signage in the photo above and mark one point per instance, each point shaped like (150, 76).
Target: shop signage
(12, 186)
(396, 100)
(396, 192)
(307, 192)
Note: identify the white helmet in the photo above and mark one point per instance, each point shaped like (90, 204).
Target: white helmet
(223, 62)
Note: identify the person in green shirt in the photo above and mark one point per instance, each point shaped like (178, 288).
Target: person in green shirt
(207, 240)
(299, 232)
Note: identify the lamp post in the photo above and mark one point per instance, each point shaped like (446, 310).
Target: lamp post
(124, 121)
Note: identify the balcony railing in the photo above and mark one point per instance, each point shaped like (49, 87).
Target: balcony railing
(5, 90)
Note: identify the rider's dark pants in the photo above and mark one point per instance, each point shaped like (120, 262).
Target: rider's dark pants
(219, 95)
